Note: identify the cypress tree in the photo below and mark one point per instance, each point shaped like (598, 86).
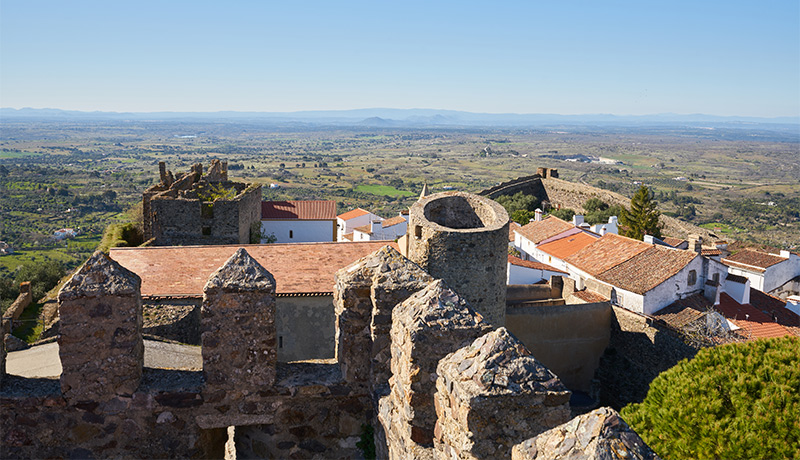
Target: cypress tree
(642, 219)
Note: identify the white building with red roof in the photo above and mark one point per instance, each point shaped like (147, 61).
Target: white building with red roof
(347, 223)
(307, 221)
(767, 272)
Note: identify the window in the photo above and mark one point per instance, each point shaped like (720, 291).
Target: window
(692, 277)
(418, 231)
(291, 234)
(206, 230)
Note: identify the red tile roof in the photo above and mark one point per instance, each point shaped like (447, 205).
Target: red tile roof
(302, 210)
(774, 307)
(710, 252)
(348, 236)
(513, 260)
(565, 247)
(352, 214)
(647, 269)
(606, 252)
(589, 296)
(754, 323)
(674, 242)
(392, 221)
(684, 311)
(754, 259)
(364, 229)
(539, 231)
(297, 268)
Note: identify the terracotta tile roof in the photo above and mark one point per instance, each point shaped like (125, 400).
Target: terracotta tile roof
(565, 247)
(685, 311)
(589, 296)
(754, 323)
(743, 266)
(647, 269)
(736, 278)
(302, 210)
(348, 236)
(754, 259)
(352, 214)
(297, 268)
(674, 242)
(710, 252)
(606, 252)
(513, 226)
(513, 260)
(364, 229)
(774, 308)
(539, 231)
(392, 221)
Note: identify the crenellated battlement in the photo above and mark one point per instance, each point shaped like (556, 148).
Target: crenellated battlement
(413, 359)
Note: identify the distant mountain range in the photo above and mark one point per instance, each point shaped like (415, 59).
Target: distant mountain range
(378, 117)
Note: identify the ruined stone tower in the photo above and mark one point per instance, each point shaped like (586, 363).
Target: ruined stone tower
(463, 238)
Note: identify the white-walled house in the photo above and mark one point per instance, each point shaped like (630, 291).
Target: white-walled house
(307, 221)
(386, 229)
(531, 234)
(346, 223)
(638, 276)
(766, 272)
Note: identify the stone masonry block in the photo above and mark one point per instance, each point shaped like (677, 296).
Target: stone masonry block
(238, 327)
(425, 328)
(366, 292)
(492, 395)
(100, 342)
(600, 434)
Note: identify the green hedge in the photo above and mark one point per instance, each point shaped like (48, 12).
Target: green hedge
(738, 401)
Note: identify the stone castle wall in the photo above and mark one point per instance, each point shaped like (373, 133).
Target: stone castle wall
(175, 213)
(413, 358)
(638, 351)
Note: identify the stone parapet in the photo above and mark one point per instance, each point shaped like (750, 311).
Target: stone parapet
(600, 434)
(100, 341)
(425, 328)
(238, 323)
(365, 294)
(491, 395)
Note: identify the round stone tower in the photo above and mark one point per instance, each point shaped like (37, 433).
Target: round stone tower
(463, 239)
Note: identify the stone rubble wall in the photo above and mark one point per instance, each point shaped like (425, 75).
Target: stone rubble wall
(491, 395)
(425, 328)
(174, 214)
(24, 299)
(100, 342)
(638, 350)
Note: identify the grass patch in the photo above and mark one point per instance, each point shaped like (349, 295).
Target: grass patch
(29, 325)
(11, 262)
(383, 190)
(17, 154)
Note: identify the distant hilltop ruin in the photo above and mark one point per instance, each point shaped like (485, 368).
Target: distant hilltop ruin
(198, 208)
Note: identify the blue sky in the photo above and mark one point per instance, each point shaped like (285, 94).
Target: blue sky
(566, 57)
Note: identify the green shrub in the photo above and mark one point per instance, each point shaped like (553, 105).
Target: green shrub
(732, 402)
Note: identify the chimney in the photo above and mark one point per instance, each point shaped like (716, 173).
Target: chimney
(538, 214)
(785, 253)
(649, 239)
(577, 220)
(695, 243)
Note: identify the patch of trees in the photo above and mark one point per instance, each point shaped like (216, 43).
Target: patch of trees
(43, 276)
(598, 211)
(732, 401)
(642, 218)
(520, 207)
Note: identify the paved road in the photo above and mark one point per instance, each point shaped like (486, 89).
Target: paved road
(43, 360)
